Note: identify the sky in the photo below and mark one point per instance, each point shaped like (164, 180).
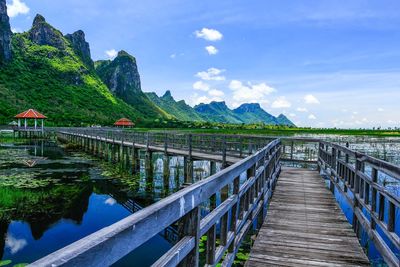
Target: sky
(323, 63)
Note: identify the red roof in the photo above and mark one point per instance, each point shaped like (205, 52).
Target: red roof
(30, 114)
(124, 122)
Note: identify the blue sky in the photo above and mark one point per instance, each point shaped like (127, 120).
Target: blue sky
(322, 63)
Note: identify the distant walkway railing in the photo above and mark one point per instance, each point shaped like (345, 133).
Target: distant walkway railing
(357, 177)
(241, 204)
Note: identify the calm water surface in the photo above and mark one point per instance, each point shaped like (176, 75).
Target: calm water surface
(50, 197)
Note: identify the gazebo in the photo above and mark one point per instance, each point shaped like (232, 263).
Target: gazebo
(124, 122)
(28, 115)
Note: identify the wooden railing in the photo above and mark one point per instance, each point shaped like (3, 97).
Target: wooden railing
(357, 177)
(242, 202)
(301, 151)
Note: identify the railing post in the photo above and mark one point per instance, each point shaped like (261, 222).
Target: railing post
(356, 191)
(188, 162)
(240, 146)
(319, 160)
(291, 149)
(165, 143)
(224, 165)
(333, 169)
(189, 225)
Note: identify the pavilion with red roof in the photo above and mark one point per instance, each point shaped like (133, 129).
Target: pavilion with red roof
(124, 122)
(29, 115)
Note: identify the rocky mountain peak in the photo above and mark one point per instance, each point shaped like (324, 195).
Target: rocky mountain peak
(120, 75)
(43, 33)
(5, 34)
(168, 95)
(283, 120)
(248, 107)
(39, 19)
(81, 47)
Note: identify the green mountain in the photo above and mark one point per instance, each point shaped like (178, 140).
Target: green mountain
(247, 113)
(54, 74)
(253, 113)
(283, 120)
(179, 109)
(217, 112)
(122, 77)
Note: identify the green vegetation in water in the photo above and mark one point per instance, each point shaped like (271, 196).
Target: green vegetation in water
(9, 262)
(241, 257)
(256, 129)
(24, 180)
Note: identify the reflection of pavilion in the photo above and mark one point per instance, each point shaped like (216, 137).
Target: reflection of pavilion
(32, 162)
(31, 114)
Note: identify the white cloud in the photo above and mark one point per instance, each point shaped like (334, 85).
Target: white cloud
(212, 74)
(250, 92)
(15, 244)
(292, 115)
(302, 110)
(312, 117)
(381, 109)
(215, 92)
(196, 99)
(211, 50)
(310, 99)
(281, 102)
(202, 86)
(209, 34)
(112, 53)
(172, 56)
(17, 7)
(110, 201)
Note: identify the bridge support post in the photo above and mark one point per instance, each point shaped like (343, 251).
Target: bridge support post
(213, 167)
(149, 164)
(188, 170)
(166, 172)
(135, 160)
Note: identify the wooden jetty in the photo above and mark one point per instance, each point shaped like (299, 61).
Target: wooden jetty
(305, 227)
(300, 223)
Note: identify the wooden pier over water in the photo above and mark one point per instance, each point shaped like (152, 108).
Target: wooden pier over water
(305, 227)
(299, 221)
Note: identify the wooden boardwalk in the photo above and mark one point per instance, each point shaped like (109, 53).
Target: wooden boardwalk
(305, 227)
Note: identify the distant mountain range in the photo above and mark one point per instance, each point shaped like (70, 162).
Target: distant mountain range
(55, 74)
(217, 111)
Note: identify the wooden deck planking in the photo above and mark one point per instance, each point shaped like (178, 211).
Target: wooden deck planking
(305, 227)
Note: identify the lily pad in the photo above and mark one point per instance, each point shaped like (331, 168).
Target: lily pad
(5, 262)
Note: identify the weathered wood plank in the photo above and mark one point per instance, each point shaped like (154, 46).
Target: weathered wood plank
(305, 227)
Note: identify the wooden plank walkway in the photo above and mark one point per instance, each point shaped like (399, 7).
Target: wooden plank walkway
(305, 226)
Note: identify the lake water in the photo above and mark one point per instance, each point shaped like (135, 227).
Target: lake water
(51, 197)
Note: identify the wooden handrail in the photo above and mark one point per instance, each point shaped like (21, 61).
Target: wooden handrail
(347, 170)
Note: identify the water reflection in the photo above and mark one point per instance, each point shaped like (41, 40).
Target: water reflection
(66, 195)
